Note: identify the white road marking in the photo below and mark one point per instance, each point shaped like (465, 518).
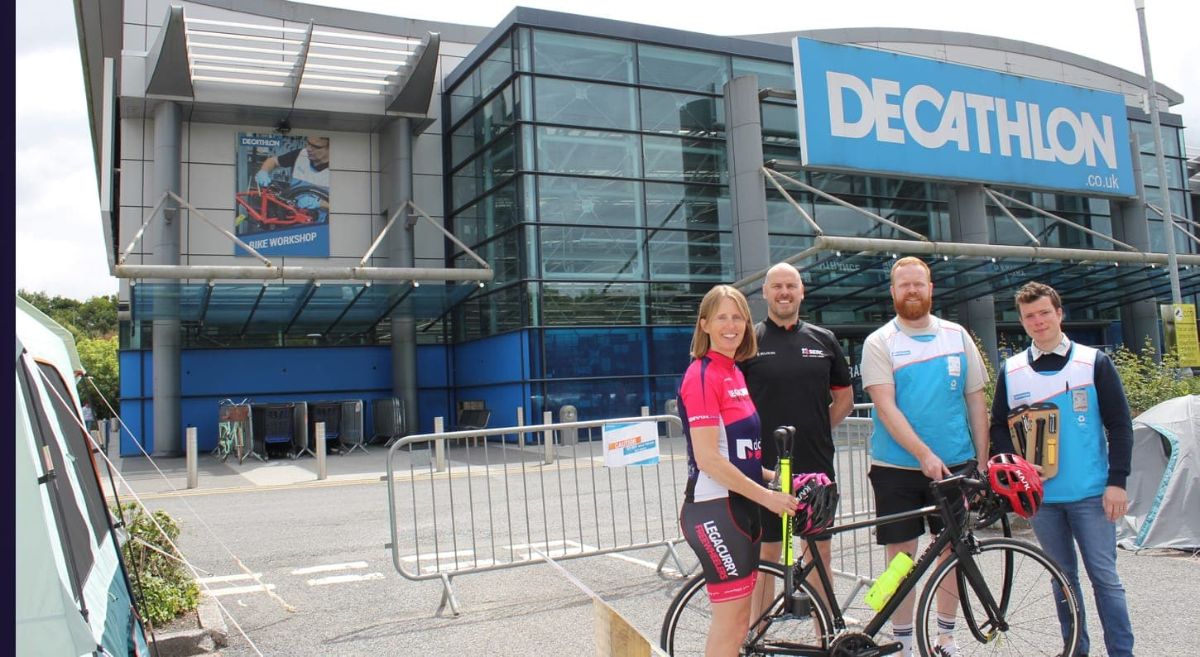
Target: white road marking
(330, 567)
(343, 579)
(216, 579)
(239, 590)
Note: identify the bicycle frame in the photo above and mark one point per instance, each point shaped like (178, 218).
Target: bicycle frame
(956, 535)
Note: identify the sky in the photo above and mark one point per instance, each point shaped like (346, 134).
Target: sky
(58, 236)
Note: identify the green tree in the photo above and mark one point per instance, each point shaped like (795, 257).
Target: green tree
(1148, 382)
(93, 324)
(99, 358)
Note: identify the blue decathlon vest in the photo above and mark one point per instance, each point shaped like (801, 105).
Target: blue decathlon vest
(1082, 447)
(930, 373)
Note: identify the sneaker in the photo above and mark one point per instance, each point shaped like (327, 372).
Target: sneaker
(950, 650)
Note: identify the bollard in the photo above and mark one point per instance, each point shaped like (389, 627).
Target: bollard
(671, 407)
(319, 428)
(568, 414)
(548, 438)
(521, 423)
(193, 477)
(439, 445)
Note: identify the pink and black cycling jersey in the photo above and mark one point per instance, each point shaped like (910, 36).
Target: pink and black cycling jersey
(714, 394)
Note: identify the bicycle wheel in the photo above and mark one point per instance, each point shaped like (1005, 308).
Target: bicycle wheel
(1027, 586)
(685, 628)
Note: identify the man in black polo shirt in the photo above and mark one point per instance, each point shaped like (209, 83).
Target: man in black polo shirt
(799, 378)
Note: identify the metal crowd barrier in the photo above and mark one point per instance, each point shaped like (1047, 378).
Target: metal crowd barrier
(472, 508)
(856, 557)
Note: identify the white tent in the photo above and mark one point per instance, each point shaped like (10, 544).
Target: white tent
(72, 596)
(1164, 482)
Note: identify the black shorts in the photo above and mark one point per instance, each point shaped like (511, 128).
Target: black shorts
(898, 490)
(724, 533)
(773, 524)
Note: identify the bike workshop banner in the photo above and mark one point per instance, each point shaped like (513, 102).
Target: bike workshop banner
(282, 198)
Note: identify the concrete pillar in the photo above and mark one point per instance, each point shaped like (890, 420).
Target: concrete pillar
(1139, 320)
(969, 224)
(396, 190)
(748, 201)
(164, 241)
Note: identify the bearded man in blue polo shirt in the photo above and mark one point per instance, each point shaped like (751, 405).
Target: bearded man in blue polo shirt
(926, 378)
(1086, 495)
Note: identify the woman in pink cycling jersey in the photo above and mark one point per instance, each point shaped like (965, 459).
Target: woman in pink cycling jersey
(720, 519)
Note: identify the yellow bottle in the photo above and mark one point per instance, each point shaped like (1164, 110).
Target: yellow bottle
(883, 588)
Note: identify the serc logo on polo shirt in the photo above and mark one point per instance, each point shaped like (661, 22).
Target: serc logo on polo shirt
(734, 393)
(812, 353)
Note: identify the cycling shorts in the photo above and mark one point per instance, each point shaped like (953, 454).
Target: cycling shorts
(724, 533)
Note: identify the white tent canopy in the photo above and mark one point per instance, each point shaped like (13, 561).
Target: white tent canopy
(1164, 482)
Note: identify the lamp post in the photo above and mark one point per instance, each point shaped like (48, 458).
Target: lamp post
(1152, 95)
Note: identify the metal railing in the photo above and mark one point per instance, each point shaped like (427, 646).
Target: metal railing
(532, 489)
(471, 505)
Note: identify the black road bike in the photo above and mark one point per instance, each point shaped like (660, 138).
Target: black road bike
(1008, 593)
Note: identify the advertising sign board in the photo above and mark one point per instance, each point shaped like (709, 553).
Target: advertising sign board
(873, 111)
(1179, 330)
(281, 200)
(630, 443)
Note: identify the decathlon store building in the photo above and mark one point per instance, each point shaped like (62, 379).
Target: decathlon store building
(594, 179)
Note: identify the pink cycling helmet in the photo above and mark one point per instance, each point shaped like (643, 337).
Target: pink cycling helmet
(818, 497)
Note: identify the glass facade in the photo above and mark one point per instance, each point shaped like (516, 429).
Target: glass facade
(591, 172)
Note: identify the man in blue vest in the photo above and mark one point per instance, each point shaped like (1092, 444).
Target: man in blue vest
(926, 379)
(1086, 495)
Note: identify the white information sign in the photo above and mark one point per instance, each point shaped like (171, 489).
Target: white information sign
(630, 443)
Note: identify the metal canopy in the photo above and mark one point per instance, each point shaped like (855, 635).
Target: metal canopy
(333, 312)
(201, 59)
(855, 271)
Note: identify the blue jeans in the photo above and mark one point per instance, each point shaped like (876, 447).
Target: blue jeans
(1059, 527)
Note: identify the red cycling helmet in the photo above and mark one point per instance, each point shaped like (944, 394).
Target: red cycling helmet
(818, 499)
(1014, 479)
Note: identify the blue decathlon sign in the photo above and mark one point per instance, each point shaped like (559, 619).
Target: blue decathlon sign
(869, 110)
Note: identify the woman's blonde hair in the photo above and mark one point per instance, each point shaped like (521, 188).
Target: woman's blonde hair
(700, 341)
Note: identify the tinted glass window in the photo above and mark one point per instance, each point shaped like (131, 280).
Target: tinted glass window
(590, 104)
(572, 55)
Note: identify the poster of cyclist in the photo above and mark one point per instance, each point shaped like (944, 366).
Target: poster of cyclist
(281, 202)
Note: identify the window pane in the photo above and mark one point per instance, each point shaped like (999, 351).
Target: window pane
(691, 255)
(780, 125)
(687, 206)
(591, 352)
(1145, 138)
(1173, 166)
(771, 75)
(670, 349)
(577, 252)
(588, 152)
(676, 303)
(503, 253)
(589, 201)
(783, 217)
(572, 55)
(682, 69)
(685, 160)
(786, 246)
(603, 304)
(585, 104)
(488, 216)
(597, 400)
(489, 314)
(498, 66)
(492, 119)
(682, 114)
(491, 167)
